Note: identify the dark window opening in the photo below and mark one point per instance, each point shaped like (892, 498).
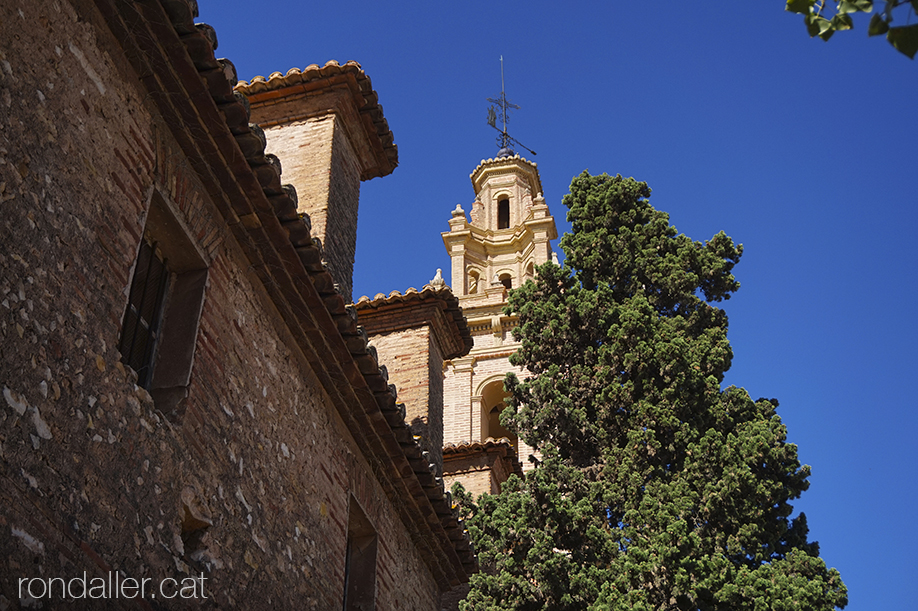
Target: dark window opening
(503, 213)
(160, 325)
(495, 428)
(494, 398)
(360, 562)
(144, 313)
(507, 281)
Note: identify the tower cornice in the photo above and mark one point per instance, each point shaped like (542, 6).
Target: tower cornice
(507, 165)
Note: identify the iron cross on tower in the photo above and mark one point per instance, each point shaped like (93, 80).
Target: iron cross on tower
(504, 139)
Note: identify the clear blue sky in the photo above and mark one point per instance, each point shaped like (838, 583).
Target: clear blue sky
(739, 122)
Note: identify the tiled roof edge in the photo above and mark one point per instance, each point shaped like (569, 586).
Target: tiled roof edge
(219, 77)
(429, 292)
(314, 72)
(475, 447)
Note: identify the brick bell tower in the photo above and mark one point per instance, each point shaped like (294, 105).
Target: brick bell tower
(495, 250)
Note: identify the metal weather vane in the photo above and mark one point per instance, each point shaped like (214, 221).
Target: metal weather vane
(503, 107)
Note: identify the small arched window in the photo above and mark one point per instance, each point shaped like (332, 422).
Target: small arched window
(493, 401)
(503, 213)
(506, 280)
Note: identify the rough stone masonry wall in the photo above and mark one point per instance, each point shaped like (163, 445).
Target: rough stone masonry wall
(92, 477)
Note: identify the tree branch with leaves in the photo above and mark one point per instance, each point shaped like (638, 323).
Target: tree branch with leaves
(821, 22)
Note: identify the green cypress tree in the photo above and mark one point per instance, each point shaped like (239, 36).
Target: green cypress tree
(656, 488)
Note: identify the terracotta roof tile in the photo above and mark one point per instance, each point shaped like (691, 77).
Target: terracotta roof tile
(442, 296)
(312, 76)
(497, 161)
(476, 446)
(502, 444)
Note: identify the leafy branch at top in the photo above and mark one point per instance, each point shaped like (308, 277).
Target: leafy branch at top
(820, 23)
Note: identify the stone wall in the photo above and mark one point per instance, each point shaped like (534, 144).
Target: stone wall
(247, 485)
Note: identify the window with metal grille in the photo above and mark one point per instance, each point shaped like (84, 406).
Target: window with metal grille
(140, 330)
(165, 301)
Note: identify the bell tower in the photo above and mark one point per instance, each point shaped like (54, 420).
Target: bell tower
(493, 251)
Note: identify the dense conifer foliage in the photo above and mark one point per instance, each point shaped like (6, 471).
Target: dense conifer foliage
(655, 489)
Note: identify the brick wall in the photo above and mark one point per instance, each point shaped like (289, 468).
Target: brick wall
(462, 412)
(458, 425)
(415, 366)
(435, 402)
(413, 334)
(481, 467)
(94, 478)
(340, 238)
(305, 151)
(319, 161)
(476, 474)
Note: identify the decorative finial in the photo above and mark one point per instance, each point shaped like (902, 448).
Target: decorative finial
(438, 282)
(458, 210)
(554, 258)
(504, 139)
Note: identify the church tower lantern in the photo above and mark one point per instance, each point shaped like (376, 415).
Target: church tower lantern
(508, 232)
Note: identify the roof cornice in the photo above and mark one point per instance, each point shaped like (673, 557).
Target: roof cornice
(507, 165)
(436, 307)
(345, 89)
(193, 92)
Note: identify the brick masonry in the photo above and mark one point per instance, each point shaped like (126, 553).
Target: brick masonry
(319, 161)
(464, 380)
(94, 478)
(480, 467)
(305, 151)
(415, 366)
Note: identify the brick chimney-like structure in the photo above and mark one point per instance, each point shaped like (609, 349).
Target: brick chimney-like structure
(327, 129)
(413, 334)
